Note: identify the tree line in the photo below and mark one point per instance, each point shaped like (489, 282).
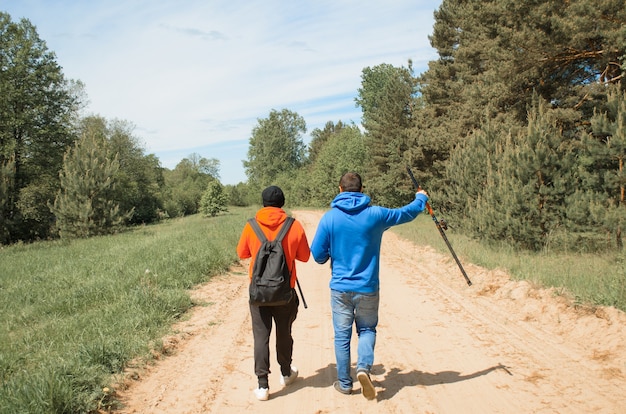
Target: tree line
(67, 175)
(517, 130)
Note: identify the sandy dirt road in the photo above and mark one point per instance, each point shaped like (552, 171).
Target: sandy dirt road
(442, 347)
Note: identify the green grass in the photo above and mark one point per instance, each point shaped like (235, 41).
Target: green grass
(73, 314)
(588, 278)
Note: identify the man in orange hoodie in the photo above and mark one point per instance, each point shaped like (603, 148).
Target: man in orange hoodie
(296, 247)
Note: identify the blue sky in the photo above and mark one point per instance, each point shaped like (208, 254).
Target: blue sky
(194, 76)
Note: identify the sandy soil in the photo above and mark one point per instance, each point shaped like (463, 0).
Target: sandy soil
(496, 347)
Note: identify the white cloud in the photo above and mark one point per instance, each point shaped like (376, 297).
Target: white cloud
(194, 76)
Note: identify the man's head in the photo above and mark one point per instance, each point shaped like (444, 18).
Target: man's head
(351, 182)
(273, 197)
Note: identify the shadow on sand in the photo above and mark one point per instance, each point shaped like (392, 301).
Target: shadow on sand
(393, 382)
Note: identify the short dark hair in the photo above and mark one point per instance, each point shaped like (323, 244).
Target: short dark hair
(351, 182)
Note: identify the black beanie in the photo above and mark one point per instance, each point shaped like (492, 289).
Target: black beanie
(273, 197)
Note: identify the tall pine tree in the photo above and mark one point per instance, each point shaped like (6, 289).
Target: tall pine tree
(84, 206)
(600, 200)
(519, 193)
(387, 98)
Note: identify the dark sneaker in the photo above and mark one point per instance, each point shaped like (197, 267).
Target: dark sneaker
(367, 388)
(338, 387)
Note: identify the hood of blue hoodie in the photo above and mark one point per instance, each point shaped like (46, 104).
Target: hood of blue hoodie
(351, 202)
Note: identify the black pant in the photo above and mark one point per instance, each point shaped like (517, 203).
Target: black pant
(283, 317)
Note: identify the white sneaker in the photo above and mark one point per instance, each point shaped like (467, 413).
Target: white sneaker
(291, 378)
(262, 394)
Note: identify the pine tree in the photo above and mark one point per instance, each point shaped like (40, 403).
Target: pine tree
(600, 200)
(518, 193)
(470, 169)
(494, 54)
(84, 205)
(536, 179)
(214, 199)
(387, 97)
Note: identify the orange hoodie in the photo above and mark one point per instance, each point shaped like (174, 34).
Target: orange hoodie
(295, 243)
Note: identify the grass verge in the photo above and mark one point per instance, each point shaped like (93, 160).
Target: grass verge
(73, 314)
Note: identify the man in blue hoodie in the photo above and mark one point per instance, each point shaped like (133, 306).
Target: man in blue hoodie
(350, 235)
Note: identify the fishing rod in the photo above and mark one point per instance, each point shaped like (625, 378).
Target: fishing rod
(441, 226)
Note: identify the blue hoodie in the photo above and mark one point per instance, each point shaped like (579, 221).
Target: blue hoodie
(350, 235)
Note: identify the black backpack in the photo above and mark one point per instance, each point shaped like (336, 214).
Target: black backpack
(270, 284)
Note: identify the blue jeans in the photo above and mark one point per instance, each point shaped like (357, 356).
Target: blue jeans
(349, 308)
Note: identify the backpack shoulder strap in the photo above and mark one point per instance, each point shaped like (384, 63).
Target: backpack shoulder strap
(284, 229)
(281, 234)
(257, 229)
